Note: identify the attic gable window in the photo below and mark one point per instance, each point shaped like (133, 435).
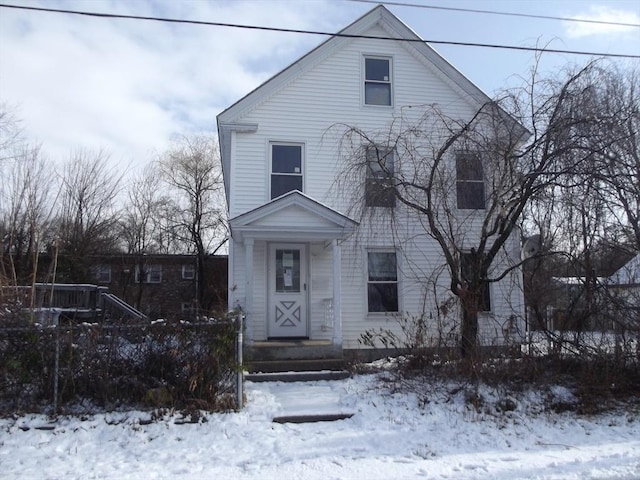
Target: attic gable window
(377, 81)
(470, 182)
(286, 168)
(380, 167)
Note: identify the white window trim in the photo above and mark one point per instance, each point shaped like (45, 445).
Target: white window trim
(188, 268)
(186, 307)
(363, 79)
(483, 182)
(100, 270)
(491, 296)
(303, 148)
(381, 176)
(379, 315)
(148, 275)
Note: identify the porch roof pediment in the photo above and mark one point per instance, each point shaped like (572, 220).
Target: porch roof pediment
(293, 216)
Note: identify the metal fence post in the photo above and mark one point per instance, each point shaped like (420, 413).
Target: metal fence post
(239, 372)
(54, 318)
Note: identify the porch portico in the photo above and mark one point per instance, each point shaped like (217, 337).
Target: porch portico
(287, 258)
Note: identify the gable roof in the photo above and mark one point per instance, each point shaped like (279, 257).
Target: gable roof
(227, 120)
(628, 274)
(294, 216)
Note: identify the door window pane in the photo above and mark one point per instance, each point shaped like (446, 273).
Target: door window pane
(287, 271)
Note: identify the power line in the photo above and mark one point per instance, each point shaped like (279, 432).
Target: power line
(495, 12)
(315, 32)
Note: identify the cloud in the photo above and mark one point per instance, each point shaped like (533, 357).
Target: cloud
(128, 86)
(602, 14)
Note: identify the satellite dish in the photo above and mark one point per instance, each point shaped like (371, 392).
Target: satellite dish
(531, 247)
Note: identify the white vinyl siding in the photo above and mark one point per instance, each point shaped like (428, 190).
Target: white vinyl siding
(304, 112)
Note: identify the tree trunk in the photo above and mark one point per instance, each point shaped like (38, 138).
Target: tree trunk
(469, 332)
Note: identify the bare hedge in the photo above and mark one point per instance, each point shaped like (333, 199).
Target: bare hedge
(106, 367)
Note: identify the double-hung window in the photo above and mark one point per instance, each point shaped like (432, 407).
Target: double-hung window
(484, 302)
(102, 273)
(377, 81)
(382, 282)
(380, 168)
(149, 274)
(469, 182)
(188, 271)
(286, 168)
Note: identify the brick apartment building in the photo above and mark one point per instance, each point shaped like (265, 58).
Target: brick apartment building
(163, 286)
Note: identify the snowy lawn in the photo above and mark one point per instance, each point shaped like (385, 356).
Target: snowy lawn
(391, 436)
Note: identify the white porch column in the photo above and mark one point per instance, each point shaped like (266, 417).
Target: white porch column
(337, 294)
(248, 282)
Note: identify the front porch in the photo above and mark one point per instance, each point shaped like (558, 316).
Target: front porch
(287, 267)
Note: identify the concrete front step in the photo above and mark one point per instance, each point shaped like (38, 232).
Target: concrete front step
(300, 365)
(296, 376)
(327, 417)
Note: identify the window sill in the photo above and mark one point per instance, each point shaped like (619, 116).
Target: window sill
(377, 316)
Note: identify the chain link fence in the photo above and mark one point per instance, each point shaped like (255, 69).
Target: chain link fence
(70, 367)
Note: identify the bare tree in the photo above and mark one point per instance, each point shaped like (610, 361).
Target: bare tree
(467, 181)
(26, 207)
(191, 169)
(87, 213)
(10, 133)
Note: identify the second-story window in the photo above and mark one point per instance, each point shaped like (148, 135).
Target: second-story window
(466, 267)
(188, 271)
(469, 182)
(377, 81)
(380, 168)
(286, 168)
(149, 274)
(102, 273)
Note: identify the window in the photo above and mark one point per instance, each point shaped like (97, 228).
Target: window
(382, 282)
(102, 273)
(150, 274)
(377, 81)
(484, 302)
(286, 169)
(379, 187)
(186, 308)
(188, 272)
(287, 270)
(470, 182)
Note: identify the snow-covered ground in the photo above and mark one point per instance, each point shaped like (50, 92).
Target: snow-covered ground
(390, 436)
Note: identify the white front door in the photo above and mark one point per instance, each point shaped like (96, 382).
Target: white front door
(287, 291)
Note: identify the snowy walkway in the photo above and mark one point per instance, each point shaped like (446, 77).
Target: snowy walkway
(389, 437)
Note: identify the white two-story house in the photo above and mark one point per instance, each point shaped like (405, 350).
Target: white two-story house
(304, 267)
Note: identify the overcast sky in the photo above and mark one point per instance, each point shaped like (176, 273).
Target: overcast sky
(128, 86)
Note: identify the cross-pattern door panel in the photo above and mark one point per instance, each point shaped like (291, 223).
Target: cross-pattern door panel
(287, 291)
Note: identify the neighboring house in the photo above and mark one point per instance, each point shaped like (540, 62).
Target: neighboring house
(299, 266)
(595, 303)
(624, 288)
(163, 286)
